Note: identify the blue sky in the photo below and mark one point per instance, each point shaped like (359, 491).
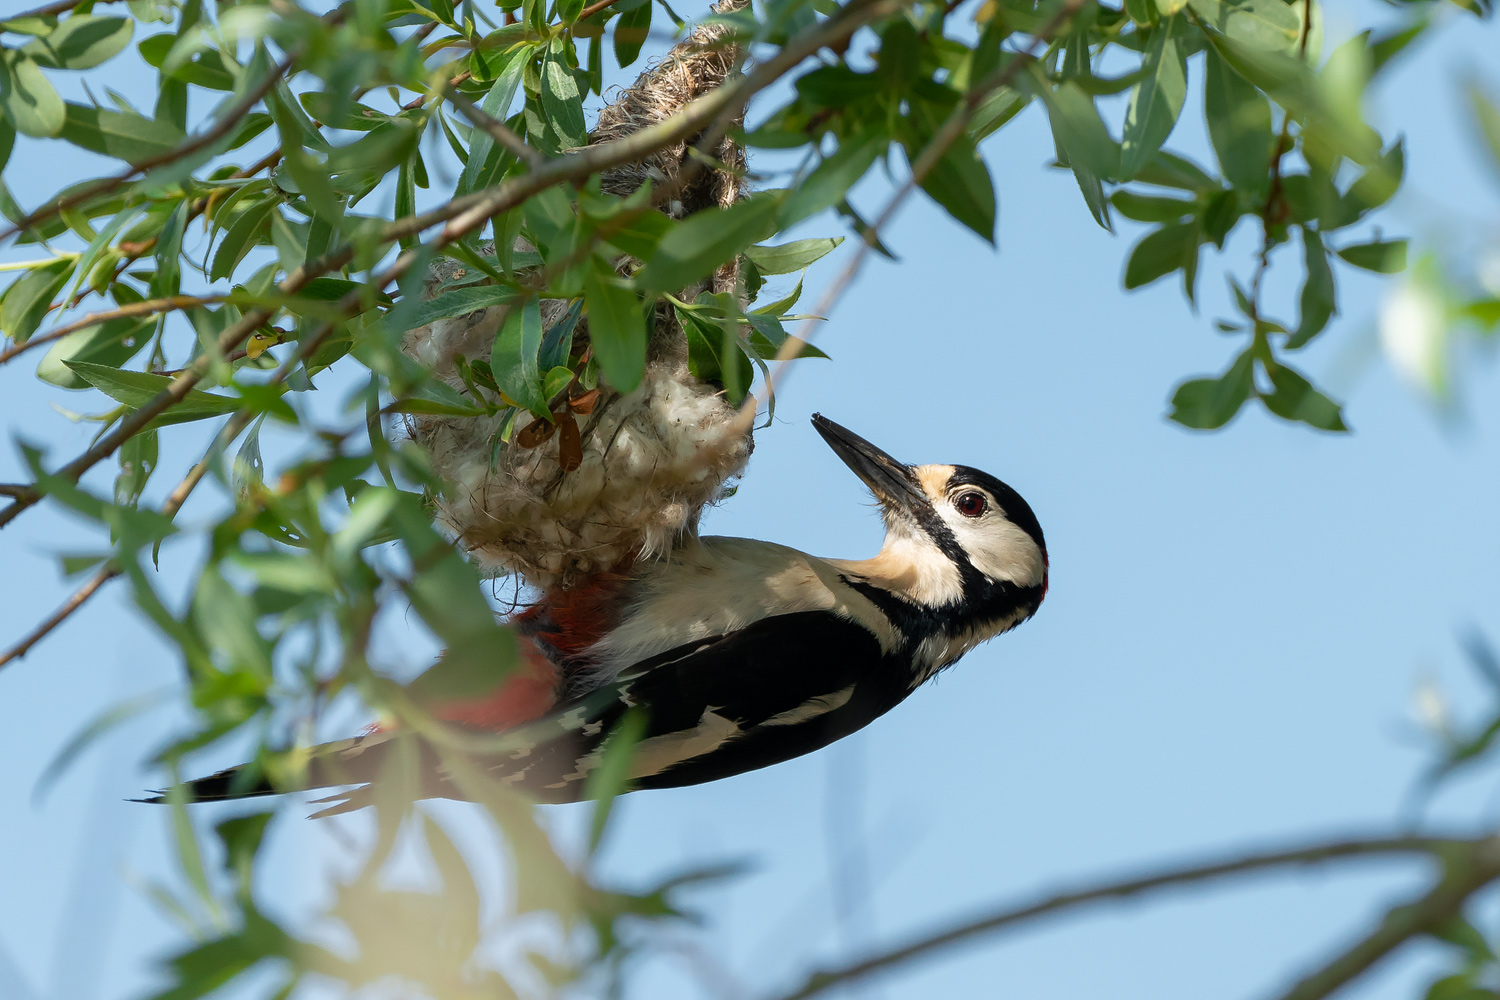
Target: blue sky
(1236, 627)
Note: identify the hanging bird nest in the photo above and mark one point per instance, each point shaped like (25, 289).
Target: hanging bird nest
(618, 476)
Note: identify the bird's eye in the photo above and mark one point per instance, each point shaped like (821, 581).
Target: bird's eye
(970, 504)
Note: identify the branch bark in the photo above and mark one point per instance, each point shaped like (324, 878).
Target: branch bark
(464, 215)
(1473, 863)
(145, 307)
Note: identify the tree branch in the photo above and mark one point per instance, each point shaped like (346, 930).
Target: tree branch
(493, 127)
(942, 140)
(111, 569)
(143, 308)
(52, 9)
(13, 489)
(471, 212)
(220, 129)
(1482, 855)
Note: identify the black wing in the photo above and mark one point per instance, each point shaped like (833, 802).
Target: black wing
(779, 688)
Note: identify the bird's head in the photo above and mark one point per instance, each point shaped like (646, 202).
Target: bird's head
(958, 540)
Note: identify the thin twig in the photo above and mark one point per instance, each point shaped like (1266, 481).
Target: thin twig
(52, 9)
(1462, 878)
(111, 569)
(221, 128)
(464, 215)
(143, 308)
(946, 135)
(13, 489)
(1482, 852)
(493, 127)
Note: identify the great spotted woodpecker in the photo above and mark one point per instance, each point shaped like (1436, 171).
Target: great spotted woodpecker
(741, 653)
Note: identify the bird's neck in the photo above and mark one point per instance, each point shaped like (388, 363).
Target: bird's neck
(911, 569)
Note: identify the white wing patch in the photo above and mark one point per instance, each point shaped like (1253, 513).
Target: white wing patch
(812, 708)
(655, 755)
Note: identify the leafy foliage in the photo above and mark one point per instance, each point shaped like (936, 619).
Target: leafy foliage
(224, 261)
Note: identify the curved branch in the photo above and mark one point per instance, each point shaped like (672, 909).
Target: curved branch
(471, 212)
(143, 308)
(1483, 853)
(221, 128)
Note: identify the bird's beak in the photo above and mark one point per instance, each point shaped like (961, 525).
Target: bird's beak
(895, 485)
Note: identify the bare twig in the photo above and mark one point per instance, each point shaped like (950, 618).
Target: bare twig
(13, 489)
(221, 128)
(1482, 855)
(111, 569)
(142, 308)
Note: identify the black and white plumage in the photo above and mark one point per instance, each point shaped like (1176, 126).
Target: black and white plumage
(741, 654)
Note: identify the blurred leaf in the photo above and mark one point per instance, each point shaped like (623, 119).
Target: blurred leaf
(1079, 131)
(960, 182)
(1318, 301)
(461, 302)
(612, 775)
(135, 389)
(1210, 403)
(1264, 24)
(1161, 252)
(794, 256)
(1156, 101)
(30, 101)
(29, 297)
(1487, 116)
(827, 185)
(1294, 398)
(90, 733)
(1380, 256)
(699, 244)
(631, 30)
(82, 41)
(1239, 123)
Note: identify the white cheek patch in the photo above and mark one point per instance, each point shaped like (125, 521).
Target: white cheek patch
(997, 547)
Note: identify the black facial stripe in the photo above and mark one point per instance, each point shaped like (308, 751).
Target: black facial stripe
(982, 601)
(1015, 508)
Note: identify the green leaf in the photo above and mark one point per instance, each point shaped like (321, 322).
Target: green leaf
(1208, 403)
(1239, 125)
(121, 134)
(1160, 253)
(135, 389)
(612, 776)
(513, 358)
(714, 355)
(788, 257)
(699, 244)
(1294, 398)
(960, 182)
(827, 185)
(631, 30)
(83, 41)
(617, 328)
(560, 98)
(482, 167)
(1150, 208)
(30, 101)
(29, 297)
(1380, 256)
(241, 237)
(111, 344)
(1264, 24)
(461, 302)
(1317, 303)
(1156, 101)
(1078, 130)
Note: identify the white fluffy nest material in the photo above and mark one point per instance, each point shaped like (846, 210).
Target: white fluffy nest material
(652, 459)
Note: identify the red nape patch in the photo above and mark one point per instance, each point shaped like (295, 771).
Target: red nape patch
(570, 621)
(529, 693)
